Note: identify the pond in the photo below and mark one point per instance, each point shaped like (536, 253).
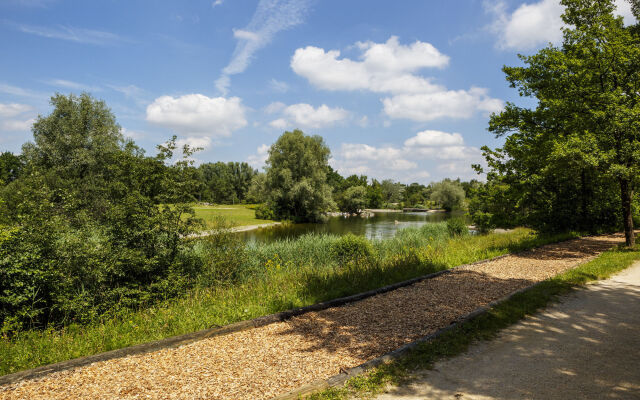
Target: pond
(379, 226)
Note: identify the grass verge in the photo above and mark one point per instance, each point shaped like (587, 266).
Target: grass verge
(275, 277)
(484, 327)
(237, 215)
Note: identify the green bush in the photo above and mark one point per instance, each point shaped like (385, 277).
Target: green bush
(263, 211)
(483, 221)
(457, 227)
(351, 250)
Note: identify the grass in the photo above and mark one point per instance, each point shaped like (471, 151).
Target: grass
(237, 215)
(484, 327)
(275, 277)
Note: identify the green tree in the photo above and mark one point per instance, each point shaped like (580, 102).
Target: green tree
(354, 200)
(391, 191)
(584, 133)
(296, 177)
(449, 194)
(10, 167)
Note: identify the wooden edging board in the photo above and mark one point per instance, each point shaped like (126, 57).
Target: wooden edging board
(177, 341)
(340, 379)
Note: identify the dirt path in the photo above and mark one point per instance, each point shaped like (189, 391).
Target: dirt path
(271, 360)
(586, 347)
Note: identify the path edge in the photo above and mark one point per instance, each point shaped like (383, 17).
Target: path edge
(340, 379)
(180, 340)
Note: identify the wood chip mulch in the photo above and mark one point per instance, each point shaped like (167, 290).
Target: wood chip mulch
(265, 362)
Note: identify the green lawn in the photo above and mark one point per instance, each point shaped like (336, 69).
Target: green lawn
(237, 215)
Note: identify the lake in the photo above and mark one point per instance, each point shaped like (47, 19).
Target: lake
(378, 226)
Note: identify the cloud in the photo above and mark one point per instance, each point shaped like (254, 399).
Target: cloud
(434, 138)
(449, 103)
(16, 117)
(72, 85)
(18, 91)
(270, 17)
(447, 150)
(392, 68)
(278, 86)
(535, 24)
(383, 67)
(259, 159)
(304, 115)
(72, 34)
(217, 3)
(198, 115)
(194, 142)
(13, 109)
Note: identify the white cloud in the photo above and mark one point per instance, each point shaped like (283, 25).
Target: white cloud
(198, 115)
(15, 125)
(270, 17)
(434, 138)
(258, 160)
(18, 91)
(194, 142)
(72, 34)
(392, 68)
(535, 24)
(353, 155)
(72, 85)
(449, 103)
(304, 115)
(13, 109)
(383, 67)
(217, 3)
(275, 107)
(128, 91)
(278, 86)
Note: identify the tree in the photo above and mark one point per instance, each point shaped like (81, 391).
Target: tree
(391, 191)
(296, 177)
(354, 200)
(10, 167)
(587, 120)
(448, 194)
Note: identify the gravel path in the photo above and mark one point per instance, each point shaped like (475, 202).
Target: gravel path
(585, 347)
(272, 360)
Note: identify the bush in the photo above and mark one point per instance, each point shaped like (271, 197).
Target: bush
(351, 250)
(263, 211)
(483, 221)
(457, 227)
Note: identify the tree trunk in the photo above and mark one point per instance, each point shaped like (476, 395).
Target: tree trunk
(625, 195)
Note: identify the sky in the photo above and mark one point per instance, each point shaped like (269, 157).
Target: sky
(398, 90)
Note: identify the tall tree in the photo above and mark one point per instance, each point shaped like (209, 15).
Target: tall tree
(588, 109)
(297, 177)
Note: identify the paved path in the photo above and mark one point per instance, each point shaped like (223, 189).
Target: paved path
(585, 347)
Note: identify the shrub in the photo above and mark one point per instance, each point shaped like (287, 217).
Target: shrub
(351, 250)
(263, 211)
(457, 227)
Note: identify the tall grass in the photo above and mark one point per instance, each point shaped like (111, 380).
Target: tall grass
(266, 279)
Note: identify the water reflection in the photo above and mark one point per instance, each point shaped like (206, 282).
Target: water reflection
(379, 226)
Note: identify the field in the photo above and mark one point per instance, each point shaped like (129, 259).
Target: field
(236, 215)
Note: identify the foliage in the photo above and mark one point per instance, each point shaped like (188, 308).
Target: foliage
(226, 183)
(354, 200)
(10, 167)
(572, 161)
(449, 194)
(263, 211)
(85, 233)
(351, 250)
(457, 227)
(296, 177)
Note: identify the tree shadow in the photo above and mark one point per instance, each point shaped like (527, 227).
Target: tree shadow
(368, 328)
(586, 347)
(573, 248)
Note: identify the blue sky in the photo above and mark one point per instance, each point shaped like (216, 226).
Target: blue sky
(399, 90)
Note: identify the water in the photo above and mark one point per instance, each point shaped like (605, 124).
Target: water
(379, 226)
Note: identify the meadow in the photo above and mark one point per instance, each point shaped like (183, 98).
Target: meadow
(236, 215)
